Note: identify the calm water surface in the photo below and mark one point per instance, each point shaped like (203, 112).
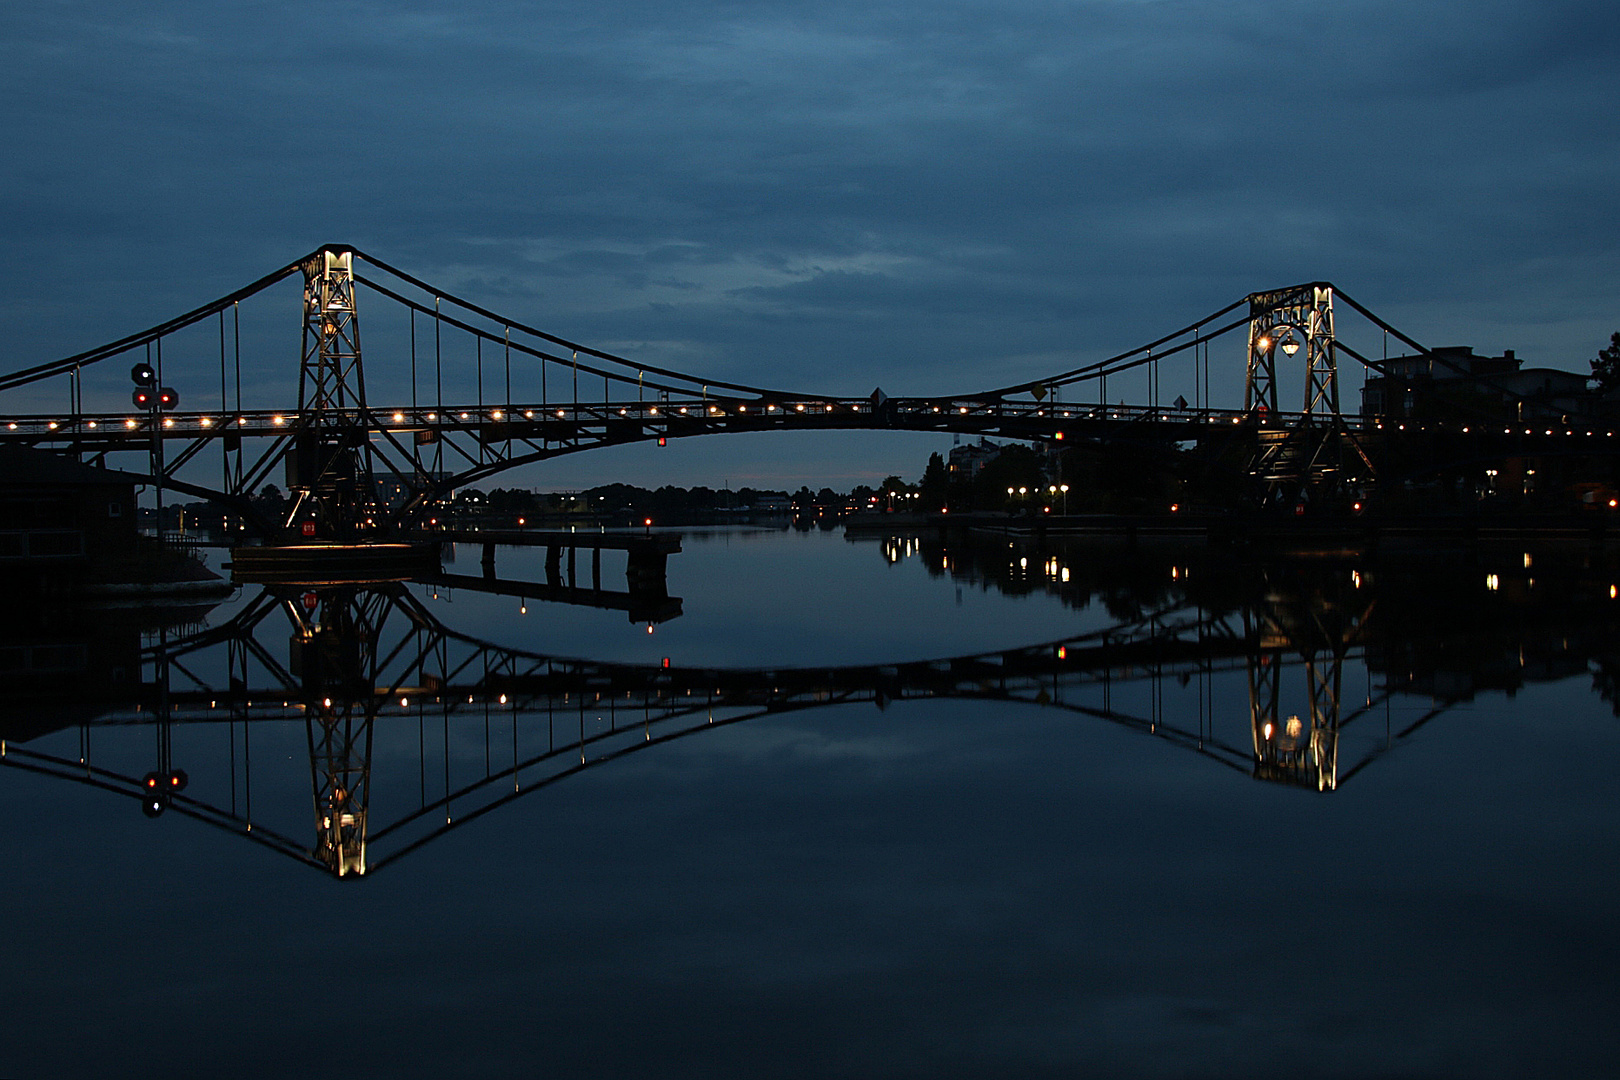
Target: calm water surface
(1069, 859)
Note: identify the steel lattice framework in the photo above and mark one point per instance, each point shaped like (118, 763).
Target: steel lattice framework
(335, 445)
(329, 468)
(358, 657)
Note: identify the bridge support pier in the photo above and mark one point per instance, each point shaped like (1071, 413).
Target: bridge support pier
(646, 556)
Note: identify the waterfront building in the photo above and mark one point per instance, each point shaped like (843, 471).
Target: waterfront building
(1454, 381)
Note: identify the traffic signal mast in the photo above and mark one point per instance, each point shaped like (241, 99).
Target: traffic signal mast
(151, 399)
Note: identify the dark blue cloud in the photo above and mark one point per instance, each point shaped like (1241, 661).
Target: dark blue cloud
(932, 199)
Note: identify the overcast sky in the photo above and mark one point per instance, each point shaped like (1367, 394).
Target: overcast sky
(930, 198)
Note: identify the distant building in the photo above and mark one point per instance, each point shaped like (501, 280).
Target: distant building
(394, 490)
(967, 460)
(1454, 382)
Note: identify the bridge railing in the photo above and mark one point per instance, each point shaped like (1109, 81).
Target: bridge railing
(115, 428)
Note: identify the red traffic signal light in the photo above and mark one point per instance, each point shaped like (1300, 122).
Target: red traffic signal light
(159, 397)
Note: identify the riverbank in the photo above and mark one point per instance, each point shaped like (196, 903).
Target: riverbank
(1359, 532)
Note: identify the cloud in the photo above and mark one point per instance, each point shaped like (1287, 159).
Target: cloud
(829, 195)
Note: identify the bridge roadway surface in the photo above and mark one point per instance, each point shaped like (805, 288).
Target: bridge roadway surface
(500, 438)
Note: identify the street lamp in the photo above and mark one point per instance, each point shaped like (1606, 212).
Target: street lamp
(1284, 340)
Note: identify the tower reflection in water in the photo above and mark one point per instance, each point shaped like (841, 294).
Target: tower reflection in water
(365, 682)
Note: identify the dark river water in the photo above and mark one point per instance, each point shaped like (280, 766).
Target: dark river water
(866, 807)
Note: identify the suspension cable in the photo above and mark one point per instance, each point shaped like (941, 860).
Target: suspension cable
(134, 341)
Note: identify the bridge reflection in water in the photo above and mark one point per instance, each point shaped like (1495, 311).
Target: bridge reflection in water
(411, 728)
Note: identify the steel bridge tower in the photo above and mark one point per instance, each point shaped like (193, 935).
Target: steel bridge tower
(1322, 629)
(1308, 455)
(334, 655)
(329, 469)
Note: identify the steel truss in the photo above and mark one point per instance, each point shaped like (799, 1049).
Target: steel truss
(336, 446)
(1306, 451)
(362, 656)
(1323, 634)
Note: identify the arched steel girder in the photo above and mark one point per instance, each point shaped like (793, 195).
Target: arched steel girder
(1265, 307)
(510, 444)
(478, 444)
(334, 435)
(1037, 678)
(481, 446)
(657, 705)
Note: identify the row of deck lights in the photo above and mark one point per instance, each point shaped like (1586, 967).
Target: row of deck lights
(279, 420)
(496, 414)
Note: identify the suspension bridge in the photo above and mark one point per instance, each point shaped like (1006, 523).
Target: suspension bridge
(288, 697)
(363, 663)
(359, 468)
